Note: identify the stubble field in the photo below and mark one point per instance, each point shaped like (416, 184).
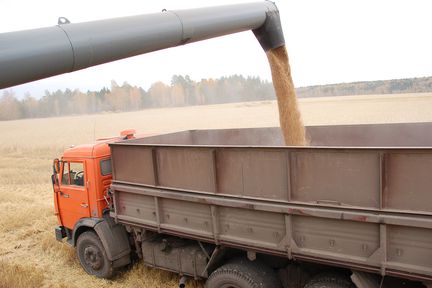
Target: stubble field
(29, 254)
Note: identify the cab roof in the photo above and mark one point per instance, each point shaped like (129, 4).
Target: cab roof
(96, 150)
(100, 148)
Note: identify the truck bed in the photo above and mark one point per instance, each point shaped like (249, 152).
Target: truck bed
(359, 196)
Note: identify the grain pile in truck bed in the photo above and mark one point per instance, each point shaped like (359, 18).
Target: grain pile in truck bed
(289, 115)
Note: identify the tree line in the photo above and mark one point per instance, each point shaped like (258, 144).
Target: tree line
(410, 85)
(182, 91)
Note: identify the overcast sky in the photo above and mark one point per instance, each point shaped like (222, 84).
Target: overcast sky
(328, 41)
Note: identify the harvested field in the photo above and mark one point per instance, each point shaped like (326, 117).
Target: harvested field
(29, 254)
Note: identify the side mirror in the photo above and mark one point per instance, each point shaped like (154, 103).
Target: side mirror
(56, 166)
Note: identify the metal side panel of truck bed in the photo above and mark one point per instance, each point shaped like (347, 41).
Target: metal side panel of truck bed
(366, 208)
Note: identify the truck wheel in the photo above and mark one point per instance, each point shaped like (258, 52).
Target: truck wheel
(330, 280)
(92, 256)
(243, 273)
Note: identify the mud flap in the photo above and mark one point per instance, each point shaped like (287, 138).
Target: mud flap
(365, 280)
(115, 240)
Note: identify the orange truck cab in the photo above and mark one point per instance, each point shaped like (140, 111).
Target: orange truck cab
(81, 181)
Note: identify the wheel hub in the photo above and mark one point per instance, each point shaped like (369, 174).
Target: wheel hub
(93, 258)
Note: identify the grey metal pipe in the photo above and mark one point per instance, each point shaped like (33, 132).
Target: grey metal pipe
(182, 282)
(40, 53)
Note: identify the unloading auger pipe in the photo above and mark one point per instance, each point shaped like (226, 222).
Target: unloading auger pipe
(40, 53)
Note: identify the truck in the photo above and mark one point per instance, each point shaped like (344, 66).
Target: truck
(233, 207)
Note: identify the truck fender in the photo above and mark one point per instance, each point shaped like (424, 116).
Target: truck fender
(113, 236)
(84, 224)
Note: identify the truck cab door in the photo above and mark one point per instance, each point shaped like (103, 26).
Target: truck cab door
(56, 187)
(73, 194)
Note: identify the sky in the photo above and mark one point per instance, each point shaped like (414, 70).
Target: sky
(330, 41)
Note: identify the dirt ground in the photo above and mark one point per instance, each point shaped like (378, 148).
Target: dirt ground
(29, 254)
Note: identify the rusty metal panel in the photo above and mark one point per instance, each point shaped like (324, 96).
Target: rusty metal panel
(408, 246)
(255, 228)
(363, 135)
(336, 177)
(342, 238)
(186, 216)
(362, 207)
(133, 164)
(135, 206)
(268, 136)
(253, 173)
(408, 181)
(372, 135)
(248, 136)
(284, 229)
(185, 168)
(182, 137)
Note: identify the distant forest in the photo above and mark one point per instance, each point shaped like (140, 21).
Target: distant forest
(182, 91)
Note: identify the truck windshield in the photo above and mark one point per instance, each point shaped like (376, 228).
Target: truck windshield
(105, 167)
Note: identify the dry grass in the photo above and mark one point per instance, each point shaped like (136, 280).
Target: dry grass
(31, 277)
(29, 254)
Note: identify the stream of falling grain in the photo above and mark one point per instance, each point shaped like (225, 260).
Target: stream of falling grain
(289, 114)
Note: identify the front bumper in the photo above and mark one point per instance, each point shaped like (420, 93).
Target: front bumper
(60, 233)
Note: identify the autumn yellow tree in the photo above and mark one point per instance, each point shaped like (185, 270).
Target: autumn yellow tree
(9, 106)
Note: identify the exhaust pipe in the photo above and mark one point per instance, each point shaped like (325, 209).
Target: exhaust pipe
(182, 282)
(40, 53)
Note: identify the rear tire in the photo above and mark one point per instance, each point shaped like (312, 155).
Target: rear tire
(242, 273)
(330, 280)
(92, 256)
